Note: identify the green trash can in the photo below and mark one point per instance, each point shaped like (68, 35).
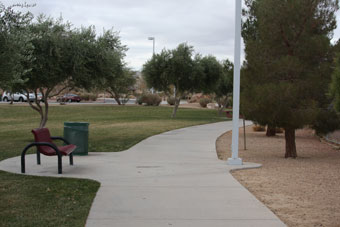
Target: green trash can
(77, 133)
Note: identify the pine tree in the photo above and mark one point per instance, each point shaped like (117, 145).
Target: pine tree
(288, 58)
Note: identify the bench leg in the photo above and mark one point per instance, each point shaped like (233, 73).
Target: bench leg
(71, 159)
(23, 153)
(59, 164)
(38, 158)
(23, 162)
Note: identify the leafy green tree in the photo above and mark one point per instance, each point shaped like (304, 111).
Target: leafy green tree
(64, 58)
(117, 79)
(176, 68)
(53, 63)
(15, 47)
(224, 88)
(122, 86)
(288, 58)
(209, 72)
(328, 119)
(335, 84)
(215, 78)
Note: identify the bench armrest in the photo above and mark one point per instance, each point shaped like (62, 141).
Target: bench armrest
(60, 138)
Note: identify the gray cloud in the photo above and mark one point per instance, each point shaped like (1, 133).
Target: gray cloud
(208, 25)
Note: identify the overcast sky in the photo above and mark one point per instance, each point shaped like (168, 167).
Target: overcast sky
(208, 25)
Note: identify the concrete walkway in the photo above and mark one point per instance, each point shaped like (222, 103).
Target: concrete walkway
(171, 179)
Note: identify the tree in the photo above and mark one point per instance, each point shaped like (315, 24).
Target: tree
(209, 72)
(250, 33)
(15, 45)
(335, 85)
(215, 78)
(288, 57)
(122, 86)
(52, 65)
(63, 58)
(176, 68)
(117, 79)
(224, 87)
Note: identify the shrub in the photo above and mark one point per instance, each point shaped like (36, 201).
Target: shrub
(139, 100)
(204, 102)
(88, 96)
(279, 130)
(171, 101)
(259, 128)
(196, 97)
(85, 97)
(326, 121)
(149, 99)
(153, 100)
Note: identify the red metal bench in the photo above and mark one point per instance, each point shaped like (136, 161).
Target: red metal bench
(45, 145)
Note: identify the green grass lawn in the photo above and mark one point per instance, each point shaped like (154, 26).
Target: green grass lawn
(43, 201)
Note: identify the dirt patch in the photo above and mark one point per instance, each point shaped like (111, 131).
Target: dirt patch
(191, 105)
(301, 192)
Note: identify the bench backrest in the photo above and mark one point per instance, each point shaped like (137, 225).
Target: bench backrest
(43, 135)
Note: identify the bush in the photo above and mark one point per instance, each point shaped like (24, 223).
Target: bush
(204, 102)
(259, 128)
(327, 121)
(171, 101)
(149, 99)
(279, 130)
(88, 97)
(93, 97)
(139, 100)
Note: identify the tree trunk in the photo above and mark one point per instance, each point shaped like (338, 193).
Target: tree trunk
(244, 135)
(45, 115)
(37, 107)
(271, 131)
(222, 107)
(290, 143)
(177, 101)
(115, 96)
(43, 121)
(117, 100)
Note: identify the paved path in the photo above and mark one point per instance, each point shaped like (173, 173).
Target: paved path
(171, 179)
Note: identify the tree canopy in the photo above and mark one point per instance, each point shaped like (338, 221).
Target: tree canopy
(48, 56)
(116, 79)
(172, 68)
(224, 87)
(288, 58)
(209, 74)
(15, 46)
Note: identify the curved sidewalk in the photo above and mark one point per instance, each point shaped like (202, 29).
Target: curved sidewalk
(171, 179)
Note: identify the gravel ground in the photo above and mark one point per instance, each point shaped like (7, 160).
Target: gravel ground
(301, 192)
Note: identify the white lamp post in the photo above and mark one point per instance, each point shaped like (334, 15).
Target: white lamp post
(153, 52)
(154, 40)
(235, 160)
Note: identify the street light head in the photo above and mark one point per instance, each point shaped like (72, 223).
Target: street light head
(151, 38)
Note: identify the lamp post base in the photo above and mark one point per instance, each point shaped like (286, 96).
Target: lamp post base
(235, 161)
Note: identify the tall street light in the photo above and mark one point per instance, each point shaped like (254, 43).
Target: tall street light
(153, 53)
(235, 160)
(153, 39)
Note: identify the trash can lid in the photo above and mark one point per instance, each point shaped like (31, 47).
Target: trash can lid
(76, 123)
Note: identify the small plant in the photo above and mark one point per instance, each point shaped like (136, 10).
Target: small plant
(279, 130)
(204, 102)
(140, 100)
(259, 128)
(171, 101)
(88, 96)
(149, 99)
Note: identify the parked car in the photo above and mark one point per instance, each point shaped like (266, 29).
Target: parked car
(19, 97)
(69, 98)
